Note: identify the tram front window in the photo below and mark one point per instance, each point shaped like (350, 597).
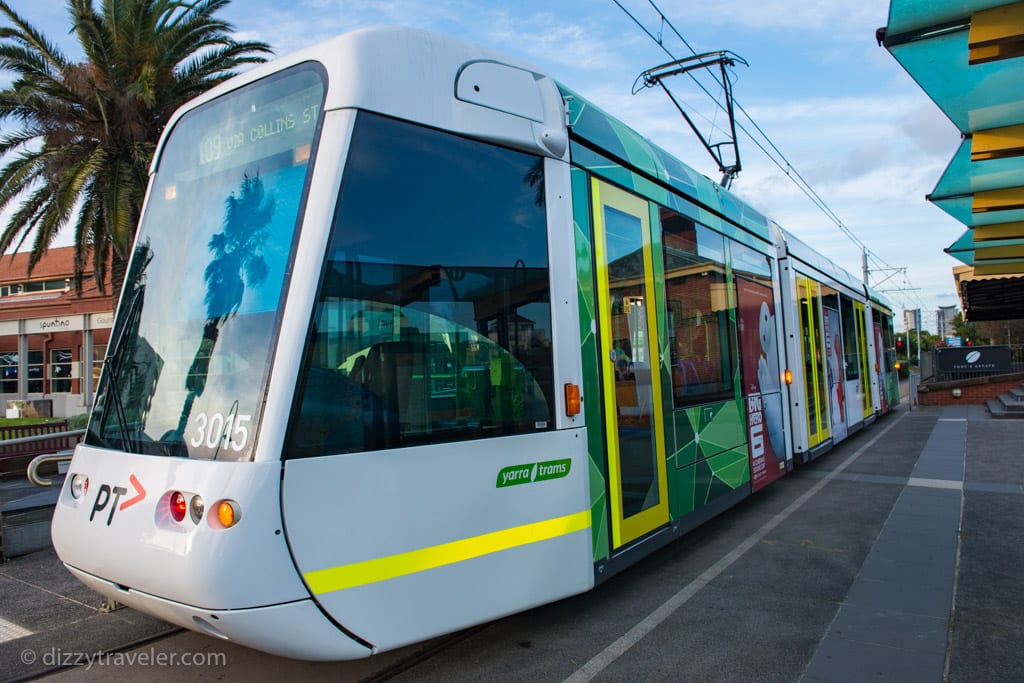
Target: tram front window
(433, 320)
(190, 351)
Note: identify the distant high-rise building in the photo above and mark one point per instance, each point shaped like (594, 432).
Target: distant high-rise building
(911, 319)
(944, 320)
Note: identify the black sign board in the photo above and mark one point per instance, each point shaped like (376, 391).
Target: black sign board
(974, 359)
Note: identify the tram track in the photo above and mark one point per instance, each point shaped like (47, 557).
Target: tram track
(388, 673)
(75, 659)
(414, 659)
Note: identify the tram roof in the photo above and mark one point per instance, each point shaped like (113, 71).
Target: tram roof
(875, 296)
(799, 250)
(615, 138)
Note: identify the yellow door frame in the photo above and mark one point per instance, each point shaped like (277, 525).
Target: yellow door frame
(628, 529)
(860, 317)
(818, 417)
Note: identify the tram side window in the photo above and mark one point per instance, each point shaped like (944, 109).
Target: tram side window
(850, 345)
(888, 341)
(699, 327)
(433, 321)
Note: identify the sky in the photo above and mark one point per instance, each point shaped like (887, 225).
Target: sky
(841, 110)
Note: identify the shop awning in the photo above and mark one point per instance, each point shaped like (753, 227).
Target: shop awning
(968, 56)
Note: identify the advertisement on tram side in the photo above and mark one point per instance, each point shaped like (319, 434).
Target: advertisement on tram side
(836, 374)
(762, 385)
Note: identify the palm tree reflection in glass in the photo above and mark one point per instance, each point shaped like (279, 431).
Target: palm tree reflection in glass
(237, 263)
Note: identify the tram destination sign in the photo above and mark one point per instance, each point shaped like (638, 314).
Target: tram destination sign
(974, 359)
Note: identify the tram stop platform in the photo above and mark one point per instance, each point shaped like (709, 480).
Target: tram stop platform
(897, 556)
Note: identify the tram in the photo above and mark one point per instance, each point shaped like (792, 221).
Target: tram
(415, 337)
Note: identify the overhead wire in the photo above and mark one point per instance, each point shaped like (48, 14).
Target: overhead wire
(776, 155)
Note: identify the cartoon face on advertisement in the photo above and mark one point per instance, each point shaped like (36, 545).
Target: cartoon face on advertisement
(768, 364)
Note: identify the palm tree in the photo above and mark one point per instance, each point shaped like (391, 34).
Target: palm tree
(85, 131)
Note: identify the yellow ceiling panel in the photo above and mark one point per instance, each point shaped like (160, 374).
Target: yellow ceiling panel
(981, 254)
(998, 200)
(999, 231)
(1009, 268)
(996, 33)
(997, 143)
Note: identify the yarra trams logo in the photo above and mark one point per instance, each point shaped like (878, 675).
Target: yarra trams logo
(533, 472)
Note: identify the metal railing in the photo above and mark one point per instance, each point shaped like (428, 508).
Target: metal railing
(16, 453)
(40, 460)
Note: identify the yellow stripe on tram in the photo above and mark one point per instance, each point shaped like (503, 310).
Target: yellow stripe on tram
(383, 568)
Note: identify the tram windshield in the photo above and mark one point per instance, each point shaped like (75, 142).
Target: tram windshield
(190, 352)
(433, 320)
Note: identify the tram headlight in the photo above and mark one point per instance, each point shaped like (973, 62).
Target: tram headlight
(178, 506)
(196, 508)
(79, 486)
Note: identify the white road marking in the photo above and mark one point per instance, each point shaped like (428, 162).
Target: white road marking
(10, 631)
(936, 483)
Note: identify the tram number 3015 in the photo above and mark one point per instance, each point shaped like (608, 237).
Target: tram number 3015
(216, 430)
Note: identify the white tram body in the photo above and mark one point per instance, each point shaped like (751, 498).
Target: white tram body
(307, 444)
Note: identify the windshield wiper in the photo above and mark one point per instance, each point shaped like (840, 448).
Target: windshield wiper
(114, 363)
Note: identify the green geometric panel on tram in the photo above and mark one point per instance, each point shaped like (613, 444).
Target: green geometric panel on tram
(704, 431)
(588, 349)
(695, 486)
(892, 388)
(721, 474)
(687, 450)
(731, 467)
(599, 513)
(682, 491)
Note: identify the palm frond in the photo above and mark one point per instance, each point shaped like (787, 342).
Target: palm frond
(24, 220)
(29, 37)
(79, 137)
(20, 174)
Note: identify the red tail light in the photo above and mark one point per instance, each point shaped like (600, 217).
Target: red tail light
(179, 508)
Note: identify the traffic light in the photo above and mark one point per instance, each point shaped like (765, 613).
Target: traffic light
(899, 344)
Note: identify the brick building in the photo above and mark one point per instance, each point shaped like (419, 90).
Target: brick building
(52, 340)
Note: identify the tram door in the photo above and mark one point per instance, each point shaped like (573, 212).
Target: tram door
(630, 353)
(809, 298)
(860, 315)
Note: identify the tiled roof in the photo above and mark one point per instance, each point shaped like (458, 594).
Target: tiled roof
(58, 262)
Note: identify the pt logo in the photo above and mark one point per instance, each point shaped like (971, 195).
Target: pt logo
(106, 492)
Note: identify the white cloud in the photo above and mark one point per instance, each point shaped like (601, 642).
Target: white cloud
(544, 37)
(812, 17)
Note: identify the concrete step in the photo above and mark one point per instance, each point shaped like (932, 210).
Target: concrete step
(999, 411)
(1017, 393)
(1011, 404)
